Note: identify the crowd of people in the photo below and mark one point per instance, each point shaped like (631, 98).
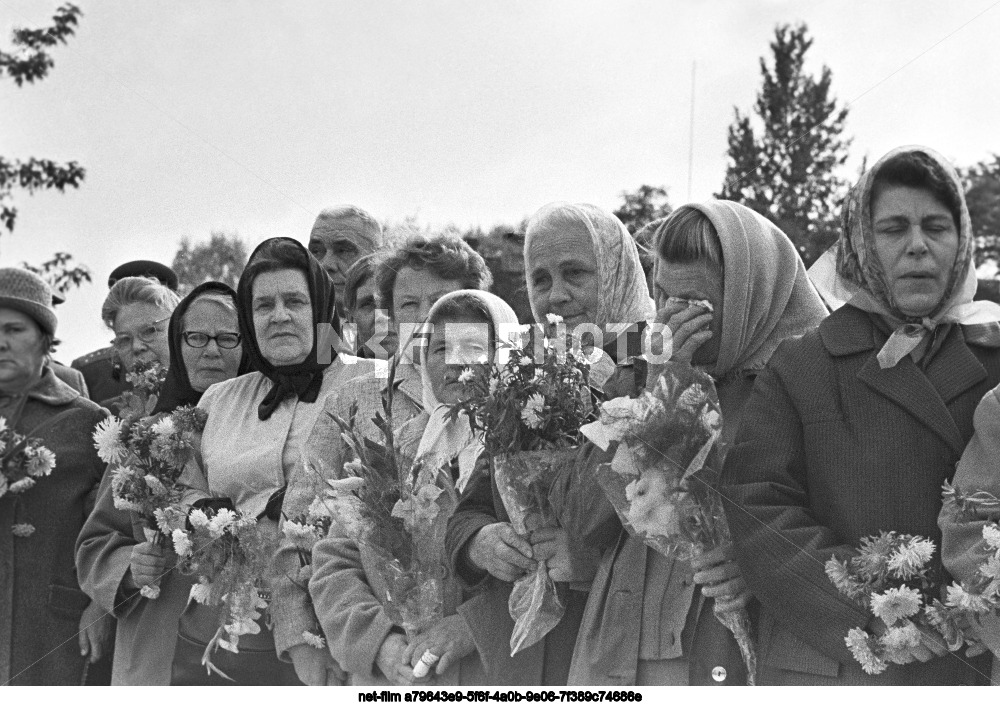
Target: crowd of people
(849, 394)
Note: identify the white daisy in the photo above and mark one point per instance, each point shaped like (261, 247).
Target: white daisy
(107, 440)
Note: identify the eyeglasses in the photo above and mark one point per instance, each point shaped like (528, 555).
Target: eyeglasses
(197, 339)
(146, 335)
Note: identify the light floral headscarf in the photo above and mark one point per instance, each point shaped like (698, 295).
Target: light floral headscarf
(623, 296)
(859, 277)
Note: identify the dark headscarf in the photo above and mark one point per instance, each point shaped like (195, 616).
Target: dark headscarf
(177, 390)
(302, 380)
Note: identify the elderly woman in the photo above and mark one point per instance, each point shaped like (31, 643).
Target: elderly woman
(50, 628)
(852, 428)
(339, 237)
(409, 280)
(346, 590)
(137, 309)
(113, 557)
(256, 424)
(731, 287)
(373, 337)
(582, 265)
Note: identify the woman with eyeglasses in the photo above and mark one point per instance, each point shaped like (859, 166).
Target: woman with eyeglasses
(114, 560)
(137, 310)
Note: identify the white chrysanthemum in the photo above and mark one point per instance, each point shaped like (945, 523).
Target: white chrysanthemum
(895, 604)
(840, 575)
(201, 592)
(126, 505)
(898, 640)
(494, 385)
(20, 486)
(991, 533)
(218, 525)
(165, 428)
(857, 643)
(531, 415)
(910, 558)
(553, 319)
(991, 568)
(107, 440)
(41, 462)
(466, 376)
(182, 542)
(313, 639)
(198, 518)
(960, 598)
(151, 591)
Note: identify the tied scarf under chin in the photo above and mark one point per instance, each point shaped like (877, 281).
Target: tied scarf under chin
(301, 380)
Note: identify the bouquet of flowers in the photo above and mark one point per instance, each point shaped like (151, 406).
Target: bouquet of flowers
(891, 578)
(146, 455)
(662, 479)
(230, 552)
(22, 460)
(304, 531)
(398, 510)
(529, 408)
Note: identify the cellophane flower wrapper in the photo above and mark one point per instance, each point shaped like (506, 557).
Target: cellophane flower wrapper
(663, 478)
(892, 576)
(397, 508)
(232, 555)
(23, 460)
(523, 480)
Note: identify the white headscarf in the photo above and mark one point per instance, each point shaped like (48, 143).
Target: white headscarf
(623, 296)
(445, 438)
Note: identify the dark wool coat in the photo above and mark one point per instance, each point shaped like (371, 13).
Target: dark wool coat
(545, 663)
(833, 448)
(40, 599)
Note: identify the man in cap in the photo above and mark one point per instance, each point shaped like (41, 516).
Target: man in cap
(101, 370)
(339, 237)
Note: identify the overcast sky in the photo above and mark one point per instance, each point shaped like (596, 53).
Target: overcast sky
(250, 117)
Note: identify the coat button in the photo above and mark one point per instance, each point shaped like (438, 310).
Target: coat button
(719, 674)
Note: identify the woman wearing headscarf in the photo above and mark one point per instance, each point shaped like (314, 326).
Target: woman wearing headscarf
(465, 328)
(582, 265)
(731, 287)
(49, 628)
(409, 279)
(113, 557)
(252, 438)
(852, 428)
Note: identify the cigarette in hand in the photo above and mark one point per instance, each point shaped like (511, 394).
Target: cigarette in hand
(423, 668)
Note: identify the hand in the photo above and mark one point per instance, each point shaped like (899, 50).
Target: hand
(148, 564)
(498, 549)
(450, 639)
(391, 660)
(95, 632)
(931, 644)
(720, 578)
(315, 667)
(689, 329)
(553, 546)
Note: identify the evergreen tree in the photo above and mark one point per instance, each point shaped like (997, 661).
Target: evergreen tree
(642, 206)
(982, 194)
(782, 159)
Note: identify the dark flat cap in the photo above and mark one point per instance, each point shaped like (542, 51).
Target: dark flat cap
(144, 268)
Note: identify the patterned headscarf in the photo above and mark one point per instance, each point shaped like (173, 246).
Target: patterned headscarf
(859, 278)
(623, 296)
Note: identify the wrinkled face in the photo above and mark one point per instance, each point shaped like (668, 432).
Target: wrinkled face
(456, 345)
(916, 239)
(22, 354)
(336, 251)
(282, 316)
(211, 364)
(562, 275)
(372, 322)
(413, 295)
(702, 279)
(141, 334)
